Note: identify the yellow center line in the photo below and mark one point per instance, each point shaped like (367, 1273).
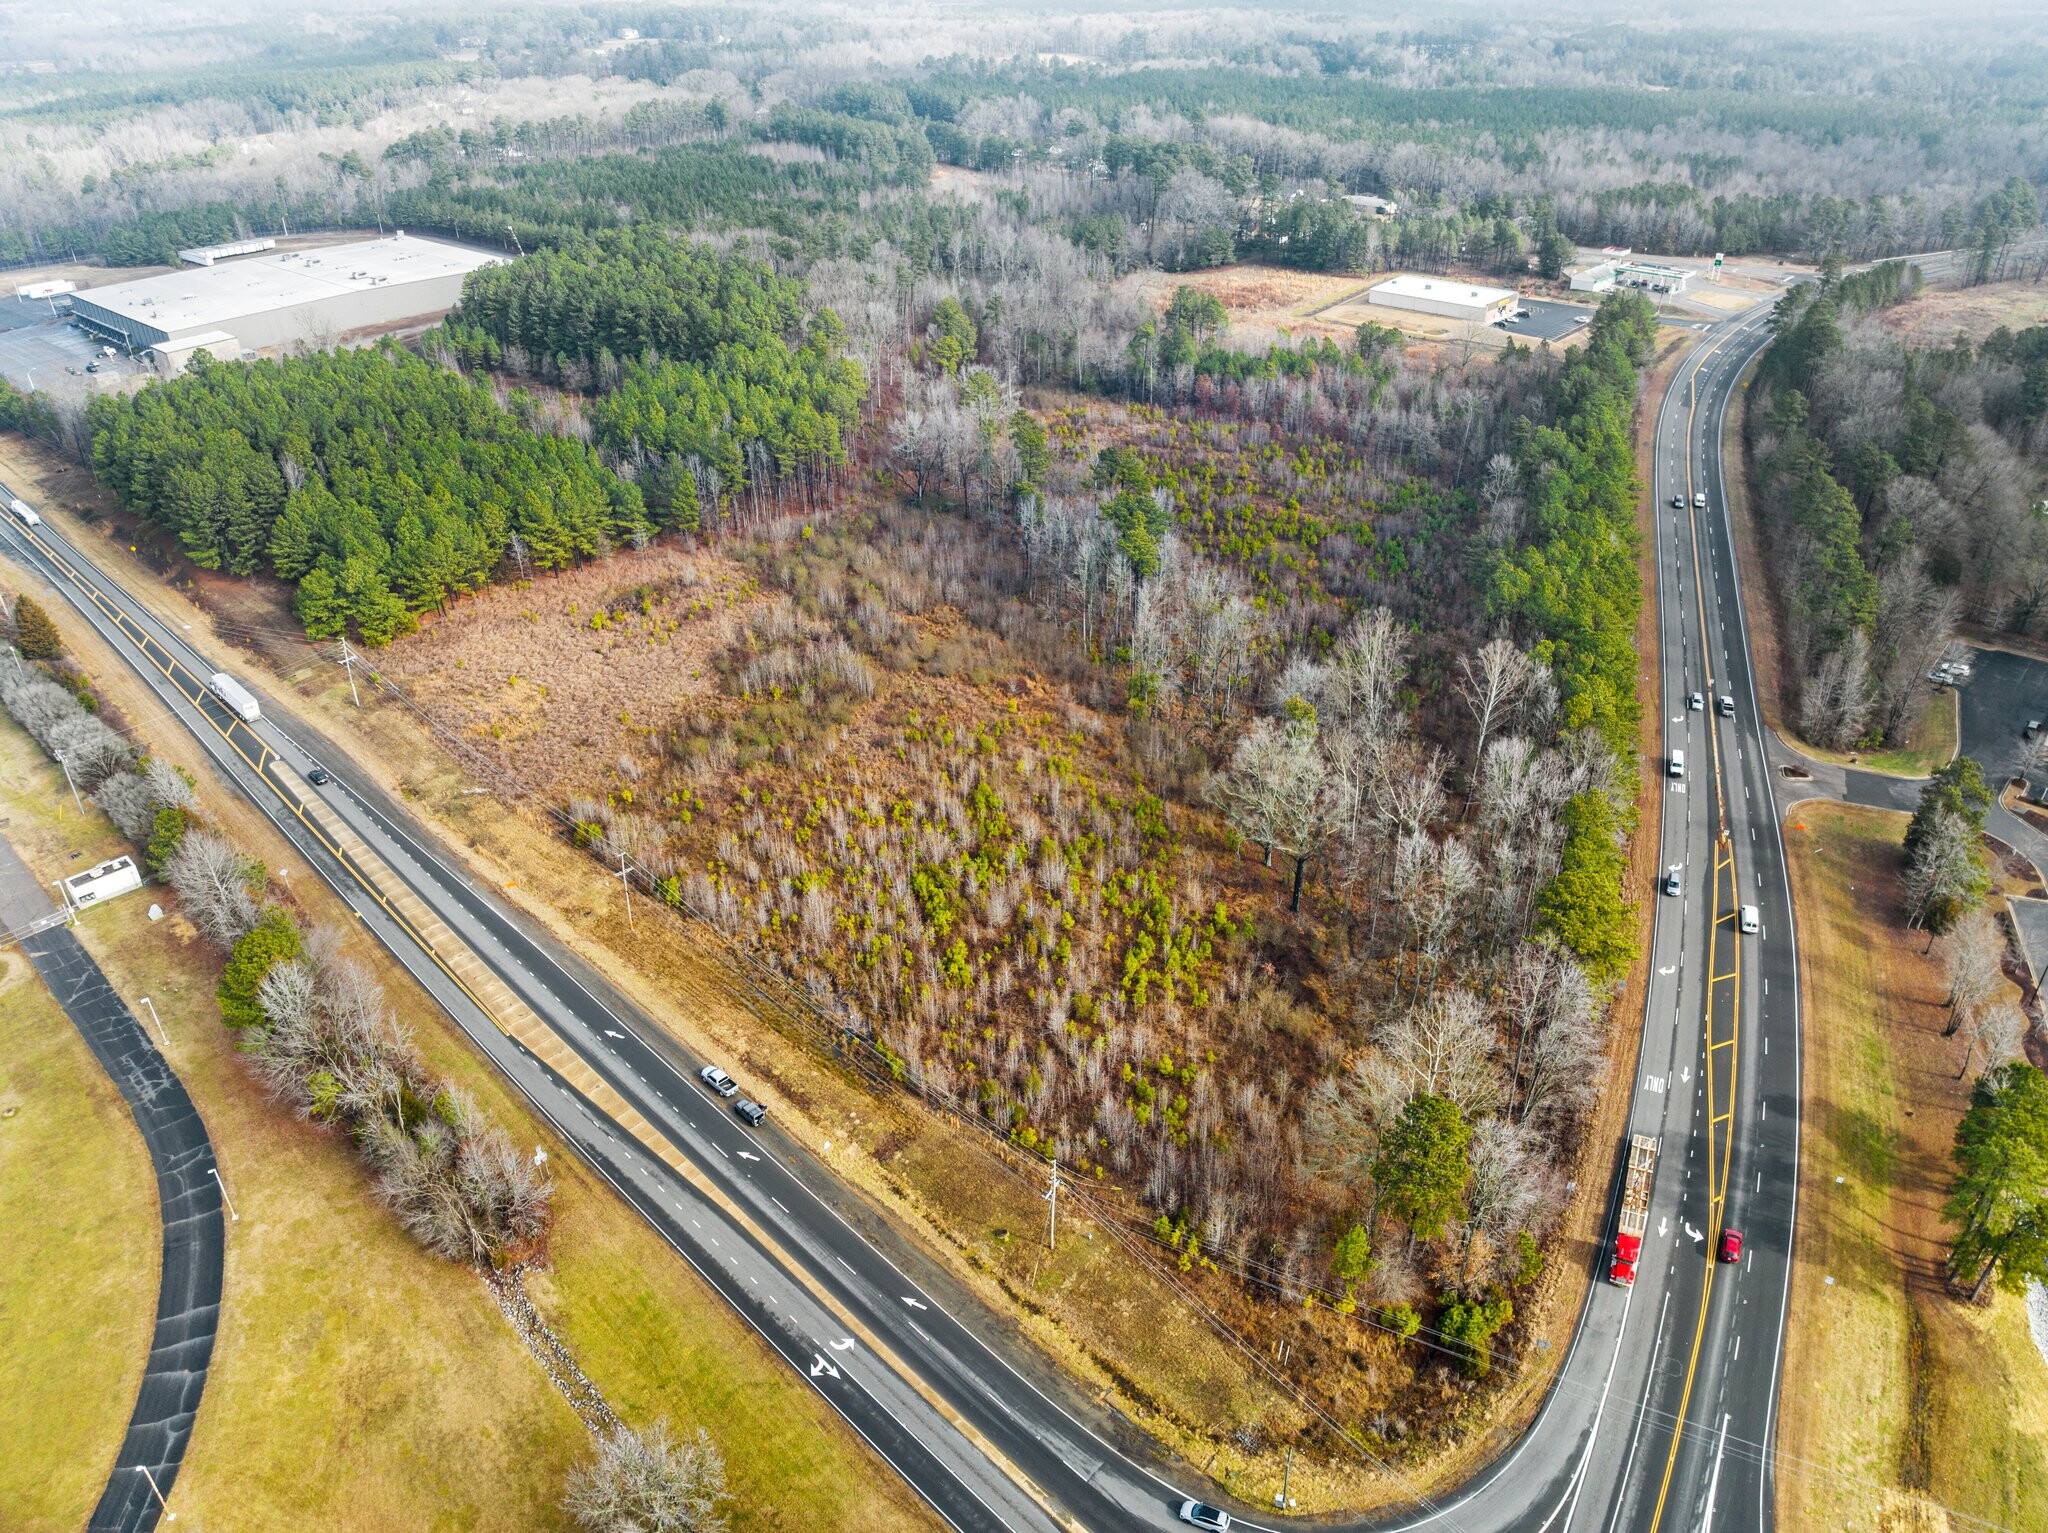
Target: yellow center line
(1724, 864)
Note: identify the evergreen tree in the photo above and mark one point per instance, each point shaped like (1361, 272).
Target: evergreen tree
(1421, 1169)
(34, 634)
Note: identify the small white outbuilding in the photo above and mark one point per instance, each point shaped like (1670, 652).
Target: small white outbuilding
(95, 886)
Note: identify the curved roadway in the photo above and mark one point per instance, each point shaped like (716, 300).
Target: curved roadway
(188, 1204)
(1656, 1418)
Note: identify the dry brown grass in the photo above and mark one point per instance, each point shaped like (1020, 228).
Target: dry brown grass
(521, 670)
(1934, 318)
(1264, 298)
(1899, 1401)
(78, 1213)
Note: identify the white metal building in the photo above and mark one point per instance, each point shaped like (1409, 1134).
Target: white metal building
(287, 298)
(1447, 296)
(102, 883)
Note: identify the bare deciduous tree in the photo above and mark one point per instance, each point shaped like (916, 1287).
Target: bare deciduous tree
(213, 882)
(648, 1482)
(1490, 683)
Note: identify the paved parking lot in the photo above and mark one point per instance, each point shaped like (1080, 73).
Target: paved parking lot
(52, 356)
(1548, 321)
(2006, 691)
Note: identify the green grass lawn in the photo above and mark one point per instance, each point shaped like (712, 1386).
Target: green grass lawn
(78, 1216)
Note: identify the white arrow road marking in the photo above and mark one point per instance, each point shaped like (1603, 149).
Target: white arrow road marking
(1663, 1228)
(1691, 1233)
(1685, 1075)
(912, 1302)
(843, 1344)
(610, 1034)
(1672, 970)
(819, 1367)
(748, 1155)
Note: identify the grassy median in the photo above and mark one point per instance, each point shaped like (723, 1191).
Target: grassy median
(78, 1284)
(1900, 1403)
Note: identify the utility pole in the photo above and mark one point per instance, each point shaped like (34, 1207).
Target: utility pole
(69, 783)
(626, 883)
(159, 1020)
(1052, 1208)
(169, 1515)
(1286, 1477)
(348, 663)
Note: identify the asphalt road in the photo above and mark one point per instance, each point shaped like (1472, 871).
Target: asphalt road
(1727, 1074)
(903, 1359)
(188, 1198)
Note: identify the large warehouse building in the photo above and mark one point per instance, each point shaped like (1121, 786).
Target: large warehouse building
(288, 298)
(1446, 296)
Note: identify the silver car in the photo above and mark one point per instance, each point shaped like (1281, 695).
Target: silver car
(1204, 1516)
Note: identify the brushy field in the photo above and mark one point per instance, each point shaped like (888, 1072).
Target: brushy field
(1934, 318)
(1900, 1403)
(554, 672)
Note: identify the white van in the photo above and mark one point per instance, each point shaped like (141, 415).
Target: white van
(1751, 922)
(1677, 766)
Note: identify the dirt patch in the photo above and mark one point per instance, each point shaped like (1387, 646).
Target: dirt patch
(1271, 298)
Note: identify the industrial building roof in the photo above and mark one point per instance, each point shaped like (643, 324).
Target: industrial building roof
(220, 342)
(214, 297)
(1446, 289)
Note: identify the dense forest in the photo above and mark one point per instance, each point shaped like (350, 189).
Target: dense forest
(379, 483)
(1895, 484)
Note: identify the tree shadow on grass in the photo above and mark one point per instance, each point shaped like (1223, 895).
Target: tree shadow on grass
(1869, 1151)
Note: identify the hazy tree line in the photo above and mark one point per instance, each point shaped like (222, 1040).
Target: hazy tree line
(1894, 485)
(1628, 142)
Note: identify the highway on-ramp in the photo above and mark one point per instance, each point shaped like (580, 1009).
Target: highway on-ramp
(1661, 1408)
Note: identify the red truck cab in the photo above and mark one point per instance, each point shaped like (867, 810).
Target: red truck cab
(1628, 1249)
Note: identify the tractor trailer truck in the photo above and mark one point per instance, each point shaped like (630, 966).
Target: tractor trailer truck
(235, 695)
(1635, 1210)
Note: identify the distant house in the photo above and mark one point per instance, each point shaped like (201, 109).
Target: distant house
(1371, 206)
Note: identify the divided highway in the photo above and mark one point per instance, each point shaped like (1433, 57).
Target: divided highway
(1656, 1419)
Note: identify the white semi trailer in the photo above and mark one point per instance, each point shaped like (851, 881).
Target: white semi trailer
(238, 697)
